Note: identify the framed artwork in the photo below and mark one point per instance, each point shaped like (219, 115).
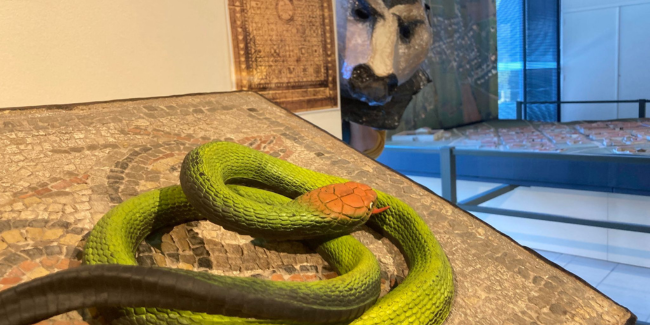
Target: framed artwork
(285, 50)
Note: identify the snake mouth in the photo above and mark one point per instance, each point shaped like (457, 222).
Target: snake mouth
(379, 210)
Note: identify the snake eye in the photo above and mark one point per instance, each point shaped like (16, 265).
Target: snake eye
(370, 207)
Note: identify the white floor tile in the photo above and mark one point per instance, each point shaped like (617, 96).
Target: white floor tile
(551, 236)
(629, 286)
(624, 246)
(628, 247)
(483, 216)
(571, 203)
(591, 270)
(464, 189)
(631, 277)
(637, 302)
(629, 208)
(467, 189)
(563, 260)
(434, 184)
(551, 256)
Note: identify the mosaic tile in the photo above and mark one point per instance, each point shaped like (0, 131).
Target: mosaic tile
(63, 169)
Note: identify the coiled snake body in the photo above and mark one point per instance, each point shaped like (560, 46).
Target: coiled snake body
(255, 194)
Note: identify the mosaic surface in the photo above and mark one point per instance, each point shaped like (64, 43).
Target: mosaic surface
(284, 50)
(63, 168)
(616, 137)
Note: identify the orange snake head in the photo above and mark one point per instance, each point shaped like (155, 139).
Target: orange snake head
(347, 201)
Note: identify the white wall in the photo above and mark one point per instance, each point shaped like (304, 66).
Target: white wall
(56, 52)
(71, 51)
(327, 119)
(581, 5)
(605, 56)
(634, 55)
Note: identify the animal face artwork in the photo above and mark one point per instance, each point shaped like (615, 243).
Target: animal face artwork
(382, 44)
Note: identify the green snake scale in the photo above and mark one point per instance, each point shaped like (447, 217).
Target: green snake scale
(252, 193)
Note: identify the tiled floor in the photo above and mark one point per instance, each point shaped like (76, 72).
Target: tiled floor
(627, 285)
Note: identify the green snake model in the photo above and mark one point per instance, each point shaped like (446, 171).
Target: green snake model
(251, 193)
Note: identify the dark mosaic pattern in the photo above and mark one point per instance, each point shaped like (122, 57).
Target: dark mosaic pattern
(64, 168)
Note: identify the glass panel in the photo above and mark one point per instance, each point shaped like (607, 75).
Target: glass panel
(541, 83)
(510, 56)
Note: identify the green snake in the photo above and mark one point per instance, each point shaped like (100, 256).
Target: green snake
(255, 194)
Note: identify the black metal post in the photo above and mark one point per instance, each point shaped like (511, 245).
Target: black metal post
(488, 195)
(524, 23)
(642, 103)
(520, 110)
(448, 173)
(641, 228)
(559, 62)
(585, 102)
(524, 111)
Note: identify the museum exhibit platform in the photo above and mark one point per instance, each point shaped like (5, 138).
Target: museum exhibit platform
(605, 156)
(65, 166)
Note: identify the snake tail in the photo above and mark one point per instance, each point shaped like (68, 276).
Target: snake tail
(113, 285)
(123, 285)
(111, 277)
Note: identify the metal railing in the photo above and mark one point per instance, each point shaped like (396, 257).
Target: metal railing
(449, 178)
(522, 106)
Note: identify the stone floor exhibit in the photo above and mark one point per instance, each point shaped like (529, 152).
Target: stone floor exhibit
(64, 167)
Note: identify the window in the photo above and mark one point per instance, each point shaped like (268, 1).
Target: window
(528, 61)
